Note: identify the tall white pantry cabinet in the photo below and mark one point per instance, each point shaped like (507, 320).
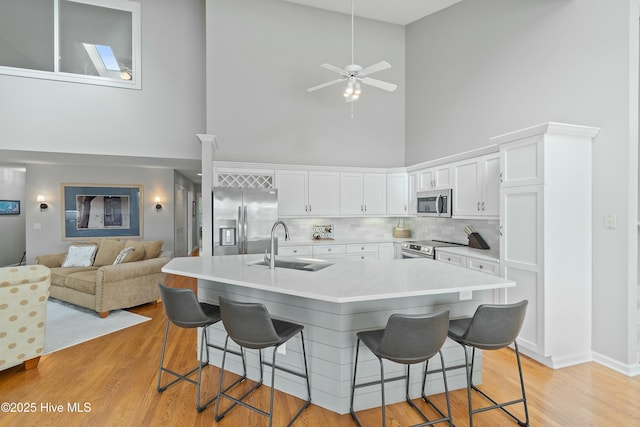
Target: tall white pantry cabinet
(545, 237)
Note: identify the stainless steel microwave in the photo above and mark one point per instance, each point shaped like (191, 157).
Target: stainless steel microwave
(434, 203)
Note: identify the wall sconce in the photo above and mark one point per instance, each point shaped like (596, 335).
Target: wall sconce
(157, 202)
(43, 204)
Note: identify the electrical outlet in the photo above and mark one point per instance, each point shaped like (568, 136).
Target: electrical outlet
(282, 349)
(37, 226)
(465, 295)
(610, 221)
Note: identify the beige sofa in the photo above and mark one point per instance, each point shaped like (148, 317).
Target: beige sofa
(104, 286)
(23, 308)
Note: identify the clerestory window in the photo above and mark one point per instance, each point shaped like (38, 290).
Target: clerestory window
(83, 41)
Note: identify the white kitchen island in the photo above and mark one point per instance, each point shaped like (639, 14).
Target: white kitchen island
(333, 304)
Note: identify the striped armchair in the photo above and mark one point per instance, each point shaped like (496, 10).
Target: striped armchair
(23, 308)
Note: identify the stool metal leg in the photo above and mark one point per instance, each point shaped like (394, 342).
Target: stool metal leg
(240, 400)
(469, 366)
(407, 378)
(185, 376)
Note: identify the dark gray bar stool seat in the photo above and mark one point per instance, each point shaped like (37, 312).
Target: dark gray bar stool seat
(492, 327)
(185, 311)
(407, 339)
(250, 326)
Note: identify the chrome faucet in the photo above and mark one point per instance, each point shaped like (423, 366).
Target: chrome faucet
(272, 258)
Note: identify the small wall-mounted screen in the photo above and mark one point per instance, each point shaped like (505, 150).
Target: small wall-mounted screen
(9, 207)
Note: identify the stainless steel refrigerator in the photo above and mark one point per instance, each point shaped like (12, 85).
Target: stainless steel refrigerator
(242, 220)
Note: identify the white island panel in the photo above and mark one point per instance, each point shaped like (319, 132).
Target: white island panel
(334, 304)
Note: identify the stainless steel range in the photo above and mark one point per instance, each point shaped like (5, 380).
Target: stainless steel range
(424, 248)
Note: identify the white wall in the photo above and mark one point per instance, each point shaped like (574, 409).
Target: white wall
(262, 55)
(47, 179)
(12, 185)
(480, 69)
(160, 120)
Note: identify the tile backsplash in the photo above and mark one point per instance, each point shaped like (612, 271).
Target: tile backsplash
(301, 229)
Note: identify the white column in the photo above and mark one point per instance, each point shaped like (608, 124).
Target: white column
(209, 147)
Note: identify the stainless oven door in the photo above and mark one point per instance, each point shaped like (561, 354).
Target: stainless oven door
(409, 255)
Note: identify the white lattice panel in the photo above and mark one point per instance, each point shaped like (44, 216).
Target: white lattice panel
(245, 180)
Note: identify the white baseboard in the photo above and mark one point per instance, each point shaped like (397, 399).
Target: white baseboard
(630, 370)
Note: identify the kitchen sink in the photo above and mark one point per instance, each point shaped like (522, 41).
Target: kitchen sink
(305, 264)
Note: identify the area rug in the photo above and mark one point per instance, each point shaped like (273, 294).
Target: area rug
(67, 324)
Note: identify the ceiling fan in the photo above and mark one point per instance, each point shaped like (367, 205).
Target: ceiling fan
(354, 74)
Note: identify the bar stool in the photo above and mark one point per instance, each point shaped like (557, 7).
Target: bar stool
(492, 327)
(407, 339)
(250, 326)
(185, 311)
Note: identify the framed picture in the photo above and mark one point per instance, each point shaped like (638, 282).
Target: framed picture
(9, 207)
(98, 210)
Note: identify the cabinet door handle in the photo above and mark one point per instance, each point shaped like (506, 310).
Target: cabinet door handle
(365, 208)
(306, 208)
(478, 206)
(361, 208)
(329, 249)
(481, 266)
(482, 205)
(295, 251)
(309, 208)
(500, 230)
(362, 248)
(362, 257)
(500, 177)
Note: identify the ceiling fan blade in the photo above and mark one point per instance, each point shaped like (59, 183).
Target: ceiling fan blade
(383, 65)
(333, 68)
(332, 82)
(379, 84)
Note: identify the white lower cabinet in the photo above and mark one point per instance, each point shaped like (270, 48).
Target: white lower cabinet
(470, 262)
(362, 252)
(386, 251)
(483, 266)
(342, 252)
(451, 258)
(295, 251)
(332, 253)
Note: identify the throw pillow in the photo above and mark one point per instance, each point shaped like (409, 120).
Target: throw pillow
(138, 251)
(152, 248)
(80, 255)
(123, 254)
(108, 250)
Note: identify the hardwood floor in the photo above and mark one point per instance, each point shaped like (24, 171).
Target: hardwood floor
(112, 379)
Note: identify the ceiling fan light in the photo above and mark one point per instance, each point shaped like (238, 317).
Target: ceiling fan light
(357, 90)
(349, 89)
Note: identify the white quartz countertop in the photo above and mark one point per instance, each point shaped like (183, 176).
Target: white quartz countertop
(341, 282)
(485, 254)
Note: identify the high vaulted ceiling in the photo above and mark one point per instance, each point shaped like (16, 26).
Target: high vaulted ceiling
(400, 12)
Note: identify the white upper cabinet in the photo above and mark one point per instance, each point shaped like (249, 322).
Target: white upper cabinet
(351, 197)
(412, 184)
(397, 194)
(293, 192)
(476, 187)
(435, 178)
(522, 164)
(302, 193)
(324, 189)
(363, 193)
(375, 193)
